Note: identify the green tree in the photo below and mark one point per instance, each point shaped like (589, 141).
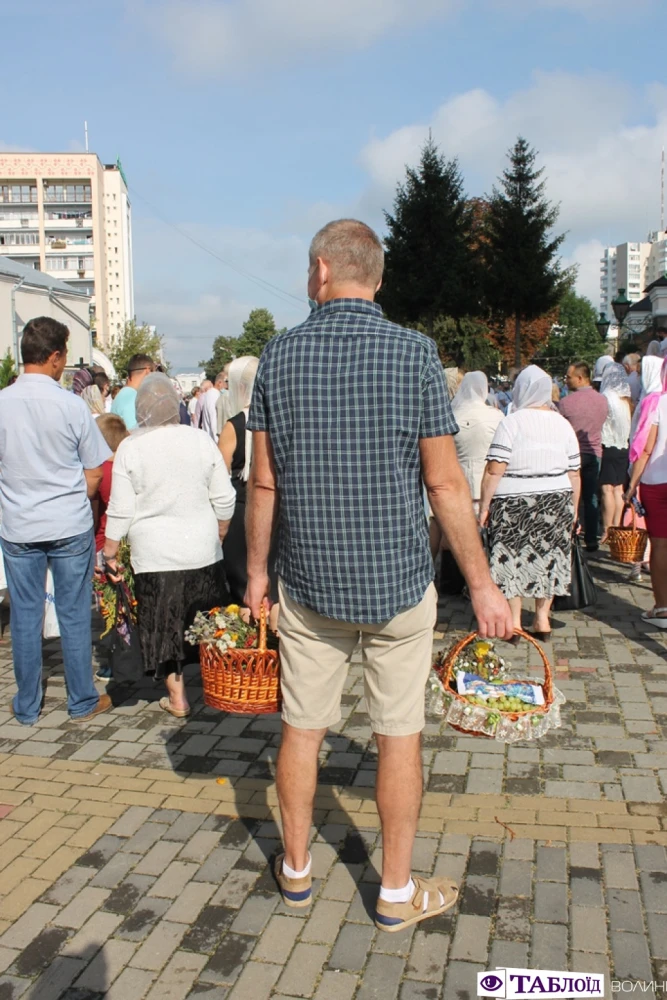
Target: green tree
(465, 343)
(430, 266)
(523, 277)
(7, 370)
(574, 337)
(136, 339)
(258, 329)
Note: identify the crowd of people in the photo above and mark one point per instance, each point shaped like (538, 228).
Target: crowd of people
(306, 480)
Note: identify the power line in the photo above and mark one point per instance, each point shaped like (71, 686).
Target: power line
(262, 283)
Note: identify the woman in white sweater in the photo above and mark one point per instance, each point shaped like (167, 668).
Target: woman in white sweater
(172, 497)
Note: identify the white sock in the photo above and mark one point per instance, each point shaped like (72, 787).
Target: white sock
(398, 895)
(290, 873)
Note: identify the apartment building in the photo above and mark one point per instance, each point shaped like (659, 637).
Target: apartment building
(69, 215)
(632, 266)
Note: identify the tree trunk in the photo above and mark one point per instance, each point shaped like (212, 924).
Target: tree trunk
(517, 341)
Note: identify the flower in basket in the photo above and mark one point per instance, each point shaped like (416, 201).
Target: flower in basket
(224, 628)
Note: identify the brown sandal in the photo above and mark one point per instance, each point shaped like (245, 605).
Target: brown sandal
(176, 712)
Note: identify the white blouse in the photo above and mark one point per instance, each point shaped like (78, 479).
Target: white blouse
(170, 487)
(616, 428)
(477, 425)
(540, 449)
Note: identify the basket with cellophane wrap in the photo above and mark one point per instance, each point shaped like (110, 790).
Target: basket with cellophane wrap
(490, 720)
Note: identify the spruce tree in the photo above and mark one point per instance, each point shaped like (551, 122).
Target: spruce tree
(429, 266)
(523, 277)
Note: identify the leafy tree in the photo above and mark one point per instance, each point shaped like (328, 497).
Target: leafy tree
(523, 277)
(135, 339)
(258, 329)
(574, 337)
(7, 370)
(465, 343)
(430, 267)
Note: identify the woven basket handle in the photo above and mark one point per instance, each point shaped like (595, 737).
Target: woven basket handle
(261, 644)
(629, 506)
(452, 656)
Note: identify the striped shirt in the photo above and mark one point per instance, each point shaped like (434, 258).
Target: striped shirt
(539, 447)
(345, 398)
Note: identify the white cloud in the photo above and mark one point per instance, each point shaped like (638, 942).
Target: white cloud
(587, 257)
(216, 37)
(598, 140)
(213, 37)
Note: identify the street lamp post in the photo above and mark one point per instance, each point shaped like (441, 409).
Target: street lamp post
(621, 306)
(603, 325)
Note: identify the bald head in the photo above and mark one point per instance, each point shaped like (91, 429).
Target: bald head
(206, 385)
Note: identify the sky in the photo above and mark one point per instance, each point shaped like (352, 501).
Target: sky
(245, 125)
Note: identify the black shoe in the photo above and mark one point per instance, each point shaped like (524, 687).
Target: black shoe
(593, 548)
(540, 636)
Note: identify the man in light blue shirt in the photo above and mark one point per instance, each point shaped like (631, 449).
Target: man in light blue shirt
(125, 403)
(51, 456)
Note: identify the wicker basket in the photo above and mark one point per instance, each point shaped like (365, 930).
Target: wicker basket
(244, 681)
(446, 675)
(627, 545)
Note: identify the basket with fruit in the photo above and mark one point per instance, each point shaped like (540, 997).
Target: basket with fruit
(471, 686)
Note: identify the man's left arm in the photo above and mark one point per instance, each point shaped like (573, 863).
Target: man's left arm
(262, 506)
(450, 500)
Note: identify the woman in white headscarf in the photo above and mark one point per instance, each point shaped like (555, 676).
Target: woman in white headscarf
(600, 365)
(236, 446)
(94, 400)
(478, 423)
(530, 493)
(171, 496)
(616, 389)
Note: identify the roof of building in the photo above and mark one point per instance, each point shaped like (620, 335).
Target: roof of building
(37, 278)
(660, 283)
(644, 305)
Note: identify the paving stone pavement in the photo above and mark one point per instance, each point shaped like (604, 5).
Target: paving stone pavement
(128, 871)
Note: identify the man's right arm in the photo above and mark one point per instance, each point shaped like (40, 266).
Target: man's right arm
(450, 500)
(261, 518)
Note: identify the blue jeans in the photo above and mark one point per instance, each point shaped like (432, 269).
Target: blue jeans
(71, 561)
(589, 512)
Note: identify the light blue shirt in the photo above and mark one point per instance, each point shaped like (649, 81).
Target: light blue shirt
(47, 438)
(125, 406)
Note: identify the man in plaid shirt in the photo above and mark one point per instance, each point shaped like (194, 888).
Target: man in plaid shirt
(350, 415)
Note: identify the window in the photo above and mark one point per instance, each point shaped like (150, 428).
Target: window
(19, 239)
(67, 192)
(18, 193)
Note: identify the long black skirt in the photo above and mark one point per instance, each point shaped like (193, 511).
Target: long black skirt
(166, 606)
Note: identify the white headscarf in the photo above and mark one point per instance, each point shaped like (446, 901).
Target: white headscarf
(600, 366)
(615, 379)
(653, 349)
(157, 403)
(242, 372)
(474, 388)
(532, 388)
(651, 375)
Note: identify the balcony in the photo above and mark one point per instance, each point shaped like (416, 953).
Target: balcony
(14, 220)
(62, 198)
(50, 222)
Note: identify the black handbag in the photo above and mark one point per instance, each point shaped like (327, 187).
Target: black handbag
(583, 592)
(122, 643)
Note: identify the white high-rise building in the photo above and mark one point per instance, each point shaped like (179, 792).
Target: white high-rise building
(69, 215)
(631, 266)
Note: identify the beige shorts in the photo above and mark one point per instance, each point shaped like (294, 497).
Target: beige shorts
(315, 654)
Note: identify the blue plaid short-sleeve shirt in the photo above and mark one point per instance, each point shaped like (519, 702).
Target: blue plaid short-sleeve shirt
(345, 398)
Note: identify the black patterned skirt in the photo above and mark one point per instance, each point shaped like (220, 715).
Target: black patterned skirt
(166, 606)
(530, 542)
